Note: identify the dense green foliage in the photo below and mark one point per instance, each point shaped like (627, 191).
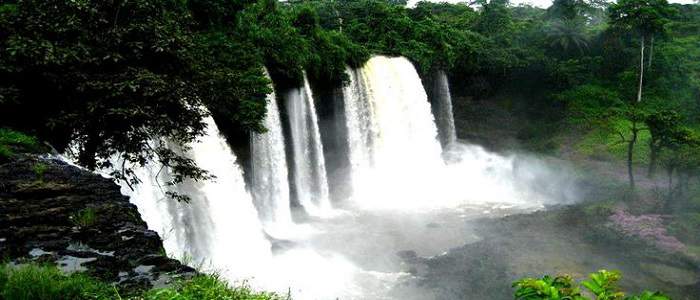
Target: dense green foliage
(623, 76)
(12, 142)
(122, 78)
(33, 282)
(601, 284)
(119, 78)
(109, 79)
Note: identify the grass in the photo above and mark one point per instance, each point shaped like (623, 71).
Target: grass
(84, 218)
(12, 142)
(37, 282)
(209, 287)
(599, 209)
(34, 282)
(39, 169)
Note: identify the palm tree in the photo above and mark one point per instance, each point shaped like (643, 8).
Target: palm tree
(567, 35)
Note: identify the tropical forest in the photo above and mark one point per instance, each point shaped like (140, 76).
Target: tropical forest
(350, 149)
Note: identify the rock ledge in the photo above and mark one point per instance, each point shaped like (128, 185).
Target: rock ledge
(52, 212)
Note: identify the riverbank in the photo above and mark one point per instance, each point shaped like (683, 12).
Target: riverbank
(647, 235)
(574, 240)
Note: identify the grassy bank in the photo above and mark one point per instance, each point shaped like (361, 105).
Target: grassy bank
(37, 282)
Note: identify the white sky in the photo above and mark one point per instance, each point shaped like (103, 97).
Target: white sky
(539, 3)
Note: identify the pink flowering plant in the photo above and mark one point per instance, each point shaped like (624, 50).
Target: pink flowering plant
(649, 228)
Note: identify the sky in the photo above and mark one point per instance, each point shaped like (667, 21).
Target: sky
(538, 3)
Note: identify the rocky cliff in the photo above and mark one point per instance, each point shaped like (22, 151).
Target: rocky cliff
(52, 212)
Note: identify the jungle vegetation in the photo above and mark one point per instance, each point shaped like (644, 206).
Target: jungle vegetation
(109, 77)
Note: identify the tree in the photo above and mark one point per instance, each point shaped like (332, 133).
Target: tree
(636, 117)
(604, 108)
(124, 78)
(645, 17)
(565, 9)
(110, 75)
(495, 18)
(682, 157)
(665, 129)
(565, 35)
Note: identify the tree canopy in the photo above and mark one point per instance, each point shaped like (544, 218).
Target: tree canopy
(115, 77)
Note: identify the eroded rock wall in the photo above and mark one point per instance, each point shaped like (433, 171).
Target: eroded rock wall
(52, 212)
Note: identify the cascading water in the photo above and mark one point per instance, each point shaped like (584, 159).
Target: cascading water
(361, 129)
(270, 183)
(406, 187)
(220, 226)
(395, 151)
(310, 181)
(442, 108)
(392, 137)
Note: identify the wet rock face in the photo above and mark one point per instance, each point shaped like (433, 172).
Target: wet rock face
(51, 212)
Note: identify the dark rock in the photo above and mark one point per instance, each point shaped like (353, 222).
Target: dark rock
(39, 221)
(408, 256)
(433, 225)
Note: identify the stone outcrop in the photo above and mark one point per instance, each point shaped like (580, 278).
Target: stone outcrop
(52, 212)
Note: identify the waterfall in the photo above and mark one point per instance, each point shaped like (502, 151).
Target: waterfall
(310, 181)
(392, 136)
(361, 129)
(270, 185)
(399, 179)
(220, 226)
(442, 108)
(396, 158)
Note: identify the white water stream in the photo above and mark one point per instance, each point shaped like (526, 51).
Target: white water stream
(270, 182)
(310, 178)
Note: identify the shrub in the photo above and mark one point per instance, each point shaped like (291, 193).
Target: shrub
(602, 285)
(600, 210)
(560, 287)
(33, 282)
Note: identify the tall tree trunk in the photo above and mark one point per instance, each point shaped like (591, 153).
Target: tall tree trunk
(337, 16)
(630, 154)
(641, 72)
(651, 52)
